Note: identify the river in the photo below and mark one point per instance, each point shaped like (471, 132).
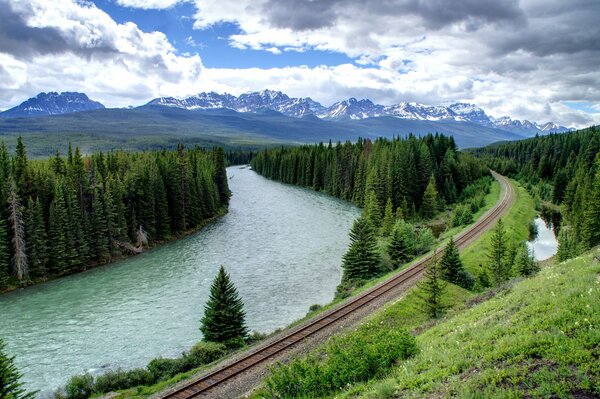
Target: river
(281, 244)
(545, 244)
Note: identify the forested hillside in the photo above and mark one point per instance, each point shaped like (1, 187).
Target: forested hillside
(561, 169)
(62, 215)
(399, 170)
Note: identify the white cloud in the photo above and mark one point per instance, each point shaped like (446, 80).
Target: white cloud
(523, 59)
(149, 4)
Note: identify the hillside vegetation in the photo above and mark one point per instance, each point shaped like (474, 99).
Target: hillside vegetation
(536, 338)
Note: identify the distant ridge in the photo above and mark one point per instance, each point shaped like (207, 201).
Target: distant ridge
(53, 103)
(353, 109)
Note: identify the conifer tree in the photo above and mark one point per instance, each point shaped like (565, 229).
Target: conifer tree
(388, 219)
(36, 239)
(591, 227)
(11, 386)
(453, 269)
(399, 249)
(224, 317)
(498, 254)
(362, 260)
(430, 200)
(566, 248)
(372, 210)
(221, 176)
(433, 289)
(526, 264)
(57, 244)
(17, 228)
(4, 255)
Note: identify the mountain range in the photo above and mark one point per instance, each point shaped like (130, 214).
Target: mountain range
(249, 121)
(53, 103)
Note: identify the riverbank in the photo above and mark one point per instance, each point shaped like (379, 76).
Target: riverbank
(156, 244)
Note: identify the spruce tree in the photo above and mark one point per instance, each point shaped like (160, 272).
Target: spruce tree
(430, 200)
(11, 386)
(361, 262)
(433, 289)
(36, 239)
(399, 249)
(498, 254)
(591, 226)
(526, 264)
(224, 317)
(57, 240)
(566, 248)
(388, 219)
(372, 210)
(453, 269)
(4, 255)
(17, 227)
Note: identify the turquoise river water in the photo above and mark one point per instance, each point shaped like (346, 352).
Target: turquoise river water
(281, 244)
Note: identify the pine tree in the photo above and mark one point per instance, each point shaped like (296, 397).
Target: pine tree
(399, 249)
(361, 262)
(433, 289)
(57, 244)
(591, 227)
(17, 228)
(430, 200)
(388, 219)
(11, 386)
(221, 176)
(372, 210)
(4, 255)
(526, 264)
(452, 267)
(566, 248)
(224, 317)
(498, 254)
(36, 239)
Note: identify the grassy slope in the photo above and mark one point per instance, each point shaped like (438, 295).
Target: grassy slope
(516, 223)
(536, 338)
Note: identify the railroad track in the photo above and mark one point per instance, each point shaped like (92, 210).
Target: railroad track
(205, 383)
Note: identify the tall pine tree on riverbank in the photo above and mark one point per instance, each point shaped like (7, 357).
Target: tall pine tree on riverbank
(224, 317)
(362, 260)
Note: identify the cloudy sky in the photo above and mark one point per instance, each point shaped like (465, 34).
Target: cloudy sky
(530, 59)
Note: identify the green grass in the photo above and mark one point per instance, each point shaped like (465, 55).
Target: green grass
(536, 338)
(516, 223)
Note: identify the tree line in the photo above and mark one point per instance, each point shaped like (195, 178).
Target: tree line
(399, 170)
(64, 214)
(563, 169)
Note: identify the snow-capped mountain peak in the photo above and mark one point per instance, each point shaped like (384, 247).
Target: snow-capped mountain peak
(53, 103)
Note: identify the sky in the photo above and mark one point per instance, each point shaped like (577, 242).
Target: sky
(530, 59)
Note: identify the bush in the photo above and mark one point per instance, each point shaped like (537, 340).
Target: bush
(352, 358)
(80, 387)
(120, 379)
(465, 279)
(255, 337)
(164, 368)
(207, 352)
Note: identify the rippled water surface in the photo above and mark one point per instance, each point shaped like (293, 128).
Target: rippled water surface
(281, 244)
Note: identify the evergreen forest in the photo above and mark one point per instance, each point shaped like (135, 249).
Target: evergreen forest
(563, 172)
(64, 214)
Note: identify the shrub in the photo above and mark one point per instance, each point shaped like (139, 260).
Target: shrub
(255, 336)
(80, 386)
(164, 368)
(120, 379)
(206, 352)
(355, 357)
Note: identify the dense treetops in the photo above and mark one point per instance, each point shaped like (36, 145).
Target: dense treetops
(563, 169)
(61, 215)
(417, 175)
